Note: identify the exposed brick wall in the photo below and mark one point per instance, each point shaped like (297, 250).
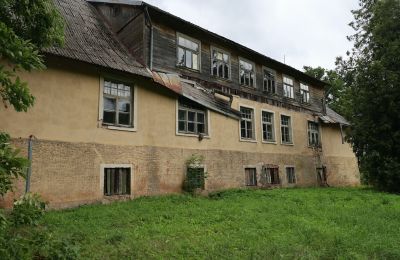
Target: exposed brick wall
(68, 174)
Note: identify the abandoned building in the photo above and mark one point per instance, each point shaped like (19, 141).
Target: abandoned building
(135, 92)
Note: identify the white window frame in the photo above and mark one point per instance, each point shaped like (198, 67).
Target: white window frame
(284, 84)
(254, 140)
(302, 90)
(255, 72)
(178, 34)
(213, 48)
(290, 128)
(208, 122)
(133, 114)
(294, 172)
(104, 166)
(276, 78)
(273, 126)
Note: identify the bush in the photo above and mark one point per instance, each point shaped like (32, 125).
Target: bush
(194, 179)
(28, 210)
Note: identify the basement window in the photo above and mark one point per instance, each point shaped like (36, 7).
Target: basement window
(246, 73)
(117, 104)
(272, 175)
(220, 64)
(117, 181)
(288, 87)
(304, 93)
(290, 175)
(192, 119)
(188, 52)
(250, 176)
(286, 130)
(313, 134)
(247, 123)
(269, 81)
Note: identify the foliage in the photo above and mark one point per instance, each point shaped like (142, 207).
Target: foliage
(28, 210)
(11, 165)
(336, 91)
(195, 174)
(372, 75)
(238, 224)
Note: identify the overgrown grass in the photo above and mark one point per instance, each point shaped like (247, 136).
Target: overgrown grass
(280, 223)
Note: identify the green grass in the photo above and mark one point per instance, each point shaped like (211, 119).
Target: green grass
(245, 224)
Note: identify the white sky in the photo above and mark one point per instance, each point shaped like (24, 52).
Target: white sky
(307, 32)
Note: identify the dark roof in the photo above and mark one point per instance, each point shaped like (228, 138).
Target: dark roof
(88, 39)
(195, 92)
(332, 117)
(168, 17)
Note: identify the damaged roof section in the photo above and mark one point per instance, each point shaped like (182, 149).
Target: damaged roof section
(88, 39)
(196, 93)
(332, 117)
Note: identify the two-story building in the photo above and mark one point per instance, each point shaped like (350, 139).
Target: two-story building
(136, 91)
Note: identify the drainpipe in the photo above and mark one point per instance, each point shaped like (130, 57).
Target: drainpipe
(151, 37)
(29, 170)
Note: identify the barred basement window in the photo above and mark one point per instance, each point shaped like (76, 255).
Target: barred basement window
(304, 93)
(313, 134)
(268, 126)
(272, 175)
(246, 73)
(192, 119)
(220, 62)
(195, 179)
(269, 81)
(117, 181)
(247, 123)
(290, 175)
(117, 104)
(250, 176)
(286, 130)
(288, 87)
(188, 52)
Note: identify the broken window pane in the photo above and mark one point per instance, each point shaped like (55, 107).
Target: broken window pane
(221, 61)
(181, 57)
(188, 53)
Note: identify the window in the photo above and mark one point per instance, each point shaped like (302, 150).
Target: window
(195, 178)
(313, 134)
(188, 52)
(268, 126)
(246, 73)
(247, 123)
(220, 64)
(304, 93)
(117, 181)
(288, 87)
(250, 176)
(269, 81)
(272, 175)
(192, 119)
(322, 176)
(291, 177)
(286, 129)
(117, 104)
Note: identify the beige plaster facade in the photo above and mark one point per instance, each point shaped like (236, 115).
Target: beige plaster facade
(72, 144)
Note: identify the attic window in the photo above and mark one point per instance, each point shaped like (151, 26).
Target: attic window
(188, 52)
(246, 73)
(220, 63)
(288, 88)
(192, 119)
(269, 81)
(304, 93)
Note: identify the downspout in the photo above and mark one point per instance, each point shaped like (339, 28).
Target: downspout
(341, 132)
(29, 170)
(151, 38)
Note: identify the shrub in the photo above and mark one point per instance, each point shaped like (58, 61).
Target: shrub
(28, 210)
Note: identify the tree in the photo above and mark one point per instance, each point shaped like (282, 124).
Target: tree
(372, 74)
(26, 26)
(336, 91)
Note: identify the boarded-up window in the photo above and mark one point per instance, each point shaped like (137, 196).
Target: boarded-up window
(117, 181)
(251, 176)
(272, 175)
(290, 175)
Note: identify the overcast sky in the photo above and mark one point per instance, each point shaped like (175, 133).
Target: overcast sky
(306, 32)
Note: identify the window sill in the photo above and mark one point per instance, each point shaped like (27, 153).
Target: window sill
(221, 79)
(248, 140)
(288, 144)
(187, 69)
(192, 135)
(269, 142)
(120, 128)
